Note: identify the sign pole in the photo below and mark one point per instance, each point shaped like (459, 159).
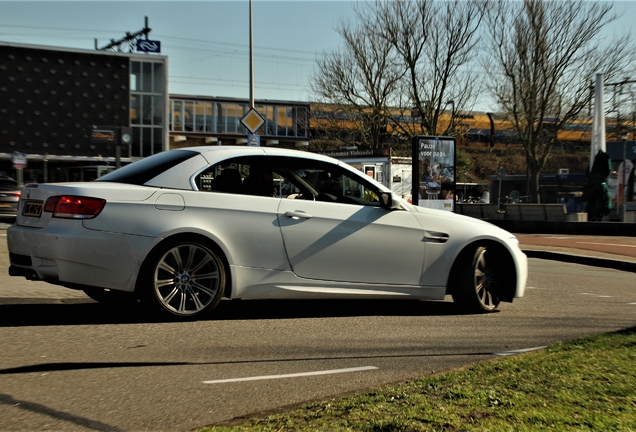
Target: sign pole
(252, 120)
(251, 60)
(19, 162)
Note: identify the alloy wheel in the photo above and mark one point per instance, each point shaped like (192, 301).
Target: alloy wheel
(485, 282)
(188, 279)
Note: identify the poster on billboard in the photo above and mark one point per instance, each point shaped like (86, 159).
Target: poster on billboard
(434, 172)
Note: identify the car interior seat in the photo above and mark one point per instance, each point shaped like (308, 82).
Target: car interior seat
(228, 181)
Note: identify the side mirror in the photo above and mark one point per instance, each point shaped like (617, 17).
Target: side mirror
(386, 200)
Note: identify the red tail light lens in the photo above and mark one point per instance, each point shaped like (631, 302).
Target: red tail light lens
(74, 207)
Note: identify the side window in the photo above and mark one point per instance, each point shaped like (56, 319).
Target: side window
(244, 176)
(259, 181)
(224, 177)
(338, 185)
(287, 177)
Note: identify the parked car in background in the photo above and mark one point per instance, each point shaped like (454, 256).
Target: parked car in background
(9, 196)
(183, 228)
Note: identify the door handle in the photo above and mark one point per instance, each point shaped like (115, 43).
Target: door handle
(298, 215)
(436, 236)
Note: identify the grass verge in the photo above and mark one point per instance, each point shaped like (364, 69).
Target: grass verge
(586, 384)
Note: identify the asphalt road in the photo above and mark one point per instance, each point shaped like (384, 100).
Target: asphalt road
(69, 364)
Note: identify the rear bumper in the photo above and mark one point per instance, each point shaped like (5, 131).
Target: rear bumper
(66, 253)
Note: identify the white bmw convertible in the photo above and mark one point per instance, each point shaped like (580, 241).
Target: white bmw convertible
(182, 229)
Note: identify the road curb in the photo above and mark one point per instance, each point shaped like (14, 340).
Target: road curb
(582, 259)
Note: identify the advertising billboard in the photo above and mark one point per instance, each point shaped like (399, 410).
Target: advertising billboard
(434, 172)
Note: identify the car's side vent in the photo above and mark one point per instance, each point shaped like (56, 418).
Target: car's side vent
(21, 260)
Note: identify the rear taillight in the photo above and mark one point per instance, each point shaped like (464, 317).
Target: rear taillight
(74, 207)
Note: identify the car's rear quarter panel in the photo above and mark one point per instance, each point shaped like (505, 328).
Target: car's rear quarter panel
(245, 228)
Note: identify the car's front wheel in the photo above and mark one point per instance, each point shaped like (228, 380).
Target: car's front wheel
(479, 282)
(184, 279)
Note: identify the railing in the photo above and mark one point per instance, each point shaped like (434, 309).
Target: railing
(524, 211)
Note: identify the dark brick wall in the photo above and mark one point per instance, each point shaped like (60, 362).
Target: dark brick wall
(49, 100)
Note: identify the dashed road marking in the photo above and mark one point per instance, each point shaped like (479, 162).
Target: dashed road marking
(519, 351)
(607, 244)
(294, 375)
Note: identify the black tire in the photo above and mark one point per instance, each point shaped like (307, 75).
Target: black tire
(479, 282)
(183, 279)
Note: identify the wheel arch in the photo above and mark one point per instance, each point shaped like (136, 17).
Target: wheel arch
(187, 236)
(502, 254)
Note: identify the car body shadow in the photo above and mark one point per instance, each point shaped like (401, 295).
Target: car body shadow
(45, 312)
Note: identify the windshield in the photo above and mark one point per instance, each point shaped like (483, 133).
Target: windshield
(8, 185)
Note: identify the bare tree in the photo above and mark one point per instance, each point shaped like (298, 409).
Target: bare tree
(404, 57)
(358, 81)
(436, 43)
(543, 58)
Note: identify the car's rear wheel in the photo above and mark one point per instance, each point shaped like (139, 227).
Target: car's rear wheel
(480, 281)
(185, 279)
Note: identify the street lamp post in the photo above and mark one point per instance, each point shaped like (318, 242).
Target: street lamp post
(624, 165)
(501, 173)
(452, 119)
(465, 179)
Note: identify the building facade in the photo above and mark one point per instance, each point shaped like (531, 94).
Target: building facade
(64, 111)
(217, 121)
(74, 115)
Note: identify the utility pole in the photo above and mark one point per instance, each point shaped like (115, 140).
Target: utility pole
(129, 38)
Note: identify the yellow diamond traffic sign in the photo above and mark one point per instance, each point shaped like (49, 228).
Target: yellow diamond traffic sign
(252, 120)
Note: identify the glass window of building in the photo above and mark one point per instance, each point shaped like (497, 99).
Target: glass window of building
(188, 116)
(224, 118)
(158, 81)
(135, 76)
(210, 123)
(146, 109)
(177, 115)
(146, 77)
(157, 110)
(148, 113)
(221, 116)
(135, 103)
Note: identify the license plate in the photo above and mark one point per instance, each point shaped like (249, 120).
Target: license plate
(32, 208)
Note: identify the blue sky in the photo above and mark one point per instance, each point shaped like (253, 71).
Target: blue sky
(207, 42)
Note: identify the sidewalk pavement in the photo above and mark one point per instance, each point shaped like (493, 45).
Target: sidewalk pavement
(615, 252)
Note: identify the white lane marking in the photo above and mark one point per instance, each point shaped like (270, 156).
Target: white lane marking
(607, 244)
(631, 303)
(301, 374)
(537, 288)
(519, 351)
(597, 295)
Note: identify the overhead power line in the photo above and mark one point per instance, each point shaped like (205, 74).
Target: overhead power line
(128, 39)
